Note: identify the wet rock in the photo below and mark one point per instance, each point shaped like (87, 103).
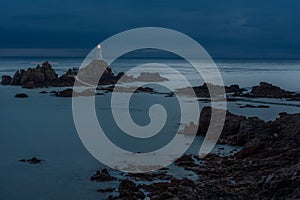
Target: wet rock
(186, 161)
(114, 88)
(44, 76)
(65, 93)
(253, 106)
(128, 190)
(40, 76)
(98, 69)
(43, 92)
(237, 130)
(102, 176)
(33, 160)
(6, 80)
(21, 95)
(267, 90)
(150, 176)
(203, 91)
(106, 190)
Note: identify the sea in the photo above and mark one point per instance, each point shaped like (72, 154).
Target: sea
(42, 125)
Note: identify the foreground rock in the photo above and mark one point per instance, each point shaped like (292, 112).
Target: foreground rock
(128, 191)
(264, 169)
(237, 130)
(268, 167)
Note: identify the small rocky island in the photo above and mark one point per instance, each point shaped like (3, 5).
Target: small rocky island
(45, 76)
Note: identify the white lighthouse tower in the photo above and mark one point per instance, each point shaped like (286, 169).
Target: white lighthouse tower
(99, 52)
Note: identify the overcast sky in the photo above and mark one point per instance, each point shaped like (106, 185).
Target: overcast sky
(226, 28)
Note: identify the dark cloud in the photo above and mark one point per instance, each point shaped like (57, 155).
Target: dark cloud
(231, 28)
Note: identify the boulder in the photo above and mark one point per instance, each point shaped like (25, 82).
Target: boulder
(203, 91)
(267, 90)
(237, 130)
(102, 176)
(21, 95)
(6, 80)
(65, 93)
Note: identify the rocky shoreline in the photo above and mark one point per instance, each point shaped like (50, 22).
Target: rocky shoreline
(267, 167)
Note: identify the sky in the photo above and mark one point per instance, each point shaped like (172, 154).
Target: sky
(225, 28)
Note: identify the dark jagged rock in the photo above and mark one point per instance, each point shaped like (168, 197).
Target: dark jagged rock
(267, 90)
(150, 176)
(202, 91)
(98, 69)
(70, 93)
(33, 160)
(106, 190)
(128, 190)
(102, 176)
(127, 89)
(263, 169)
(65, 93)
(21, 95)
(186, 161)
(44, 76)
(40, 76)
(6, 80)
(237, 130)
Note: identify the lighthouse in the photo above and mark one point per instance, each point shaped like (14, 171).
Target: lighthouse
(99, 52)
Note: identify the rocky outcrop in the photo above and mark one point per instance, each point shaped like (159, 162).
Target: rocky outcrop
(268, 167)
(98, 72)
(237, 130)
(267, 90)
(44, 76)
(6, 80)
(64, 93)
(244, 131)
(128, 190)
(202, 91)
(102, 176)
(21, 95)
